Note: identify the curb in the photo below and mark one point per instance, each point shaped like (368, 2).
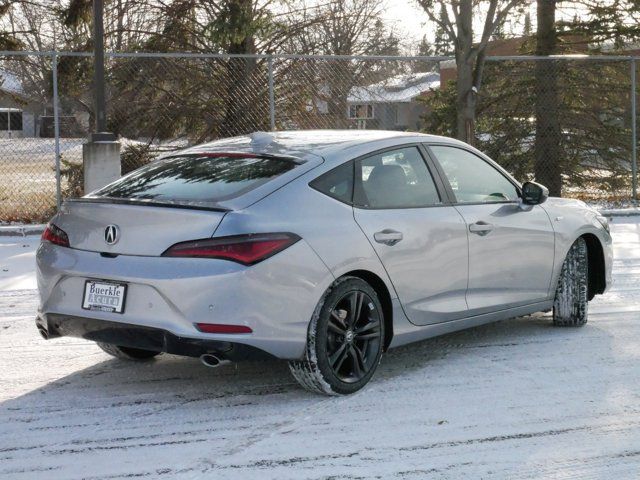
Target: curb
(21, 230)
(621, 212)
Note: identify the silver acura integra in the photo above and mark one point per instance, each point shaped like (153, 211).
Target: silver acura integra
(323, 248)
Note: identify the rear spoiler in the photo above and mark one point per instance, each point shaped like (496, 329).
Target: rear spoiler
(231, 153)
(150, 203)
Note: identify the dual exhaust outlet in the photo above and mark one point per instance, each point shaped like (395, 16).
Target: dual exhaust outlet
(212, 361)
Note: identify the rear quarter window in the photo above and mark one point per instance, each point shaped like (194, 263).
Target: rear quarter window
(197, 178)
(336, 183)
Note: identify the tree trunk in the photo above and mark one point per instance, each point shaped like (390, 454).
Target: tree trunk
(466, 104)
(548, 167)
(465, 60)
(242, 109)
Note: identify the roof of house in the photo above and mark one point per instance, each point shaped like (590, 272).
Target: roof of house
(398, 89)
(9, 82)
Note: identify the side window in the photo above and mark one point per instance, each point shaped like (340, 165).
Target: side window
(472, 179)
(394, 179)
(337, 183)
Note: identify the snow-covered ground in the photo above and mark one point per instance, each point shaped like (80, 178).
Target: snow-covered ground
(516, 399)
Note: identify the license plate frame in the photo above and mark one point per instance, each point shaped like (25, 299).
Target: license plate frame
(92, 306)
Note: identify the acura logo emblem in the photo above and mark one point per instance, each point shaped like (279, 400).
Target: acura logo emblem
(111, 234)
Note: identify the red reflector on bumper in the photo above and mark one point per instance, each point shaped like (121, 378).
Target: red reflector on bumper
(220, 328)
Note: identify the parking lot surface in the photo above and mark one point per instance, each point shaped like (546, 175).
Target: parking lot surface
(517, 399)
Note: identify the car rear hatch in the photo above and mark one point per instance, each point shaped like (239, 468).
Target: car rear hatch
(175, 199)
(138, 229)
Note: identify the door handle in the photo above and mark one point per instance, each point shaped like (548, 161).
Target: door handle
(388, 237)
(480, 228)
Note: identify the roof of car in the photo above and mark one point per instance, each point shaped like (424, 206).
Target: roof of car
(300, 143)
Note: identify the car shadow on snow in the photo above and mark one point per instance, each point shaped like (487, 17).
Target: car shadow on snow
(178, 380)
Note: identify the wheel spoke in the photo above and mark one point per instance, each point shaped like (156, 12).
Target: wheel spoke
(337, 359)
(335, 324)
(369, 331)
(368, 336)
(357, 361)
(356, 300)
(373, 324)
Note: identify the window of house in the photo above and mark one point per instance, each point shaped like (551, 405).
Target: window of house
(10, 120)
(361, 111)
(15, 120)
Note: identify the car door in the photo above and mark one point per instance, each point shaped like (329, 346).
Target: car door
(511, 247)
(420, 240)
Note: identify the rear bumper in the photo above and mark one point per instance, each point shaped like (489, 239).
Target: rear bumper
(146, 338)
(275, 298)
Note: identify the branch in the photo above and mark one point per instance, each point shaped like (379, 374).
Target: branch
(445, 21)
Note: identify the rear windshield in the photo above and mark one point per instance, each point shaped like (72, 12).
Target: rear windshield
(197, 179)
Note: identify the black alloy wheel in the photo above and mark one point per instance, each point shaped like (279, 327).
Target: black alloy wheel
(354, 336)
(345, 339)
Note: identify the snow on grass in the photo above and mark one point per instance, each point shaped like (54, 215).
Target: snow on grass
(517, 399)
(17, 263)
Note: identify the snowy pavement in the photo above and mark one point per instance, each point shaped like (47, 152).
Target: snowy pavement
(516, 399)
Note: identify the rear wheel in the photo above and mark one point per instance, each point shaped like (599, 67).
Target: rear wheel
(127, 353)
(571, 302)
(345, 340)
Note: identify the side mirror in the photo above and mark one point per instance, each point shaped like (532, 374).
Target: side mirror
(533, 193)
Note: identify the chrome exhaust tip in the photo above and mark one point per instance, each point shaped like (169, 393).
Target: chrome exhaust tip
(43, 333)
(212, 361)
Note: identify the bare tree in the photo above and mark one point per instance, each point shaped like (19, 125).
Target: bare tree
(456, 19)
(345, 28)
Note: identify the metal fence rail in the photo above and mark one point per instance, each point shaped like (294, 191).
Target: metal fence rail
(570, 122)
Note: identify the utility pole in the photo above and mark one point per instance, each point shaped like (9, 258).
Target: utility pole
(101, 155)
(98, 74)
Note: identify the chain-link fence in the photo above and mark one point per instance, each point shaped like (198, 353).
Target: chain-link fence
(566, 122)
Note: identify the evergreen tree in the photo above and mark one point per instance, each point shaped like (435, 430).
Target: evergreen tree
(457, 20)
(564, 123)
(424, 50)
(442, 45)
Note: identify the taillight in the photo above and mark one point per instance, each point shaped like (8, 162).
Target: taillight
(55, 235)
(222, 328)
(245, 249)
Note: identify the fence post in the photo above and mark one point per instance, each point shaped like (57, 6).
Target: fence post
(634, 133)
(56, 127)
(272, 100)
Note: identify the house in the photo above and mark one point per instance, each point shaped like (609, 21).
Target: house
(391, 104)
(19, 113)
(24, 116)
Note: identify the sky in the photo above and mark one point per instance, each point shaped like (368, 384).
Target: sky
(411, 23)
(409, 19)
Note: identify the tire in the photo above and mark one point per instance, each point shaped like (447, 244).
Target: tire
(343, 350)
(571, 302)
(127, 353)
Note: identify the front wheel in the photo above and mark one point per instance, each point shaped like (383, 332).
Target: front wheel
(571, 302)
(344, 341)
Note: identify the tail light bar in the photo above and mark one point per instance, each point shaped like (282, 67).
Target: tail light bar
(55, 235)
(244, 249)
